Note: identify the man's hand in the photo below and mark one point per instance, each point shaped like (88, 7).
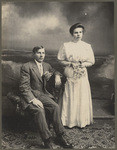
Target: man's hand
(47, 75)
(37, 103)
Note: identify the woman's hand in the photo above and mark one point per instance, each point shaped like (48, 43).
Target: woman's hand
(81, 65)
(75, 64)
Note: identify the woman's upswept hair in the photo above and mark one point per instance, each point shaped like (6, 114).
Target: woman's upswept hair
(76, 26)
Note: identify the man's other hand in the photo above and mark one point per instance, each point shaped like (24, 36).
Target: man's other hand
(47, 75)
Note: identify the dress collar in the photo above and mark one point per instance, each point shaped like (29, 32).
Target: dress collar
(76, 42)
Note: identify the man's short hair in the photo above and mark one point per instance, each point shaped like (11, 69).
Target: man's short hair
(35, 49)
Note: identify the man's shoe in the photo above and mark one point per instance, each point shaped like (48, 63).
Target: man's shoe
(63, 142)
(48, 144)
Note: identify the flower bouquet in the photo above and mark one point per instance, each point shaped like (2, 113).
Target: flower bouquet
(78, 72)
(75, 70)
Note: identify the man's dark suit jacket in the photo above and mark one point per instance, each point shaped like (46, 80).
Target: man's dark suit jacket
(32, 85)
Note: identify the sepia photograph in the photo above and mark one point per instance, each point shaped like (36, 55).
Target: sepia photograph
(58, 75)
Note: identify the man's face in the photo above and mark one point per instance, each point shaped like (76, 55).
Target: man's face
(40, 55)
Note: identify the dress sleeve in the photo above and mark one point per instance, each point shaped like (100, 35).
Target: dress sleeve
(91, 58)
(61, 54)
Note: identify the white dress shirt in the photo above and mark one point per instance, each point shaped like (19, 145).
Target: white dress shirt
(40, 67)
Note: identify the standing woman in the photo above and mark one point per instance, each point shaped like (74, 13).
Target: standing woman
(76, 56)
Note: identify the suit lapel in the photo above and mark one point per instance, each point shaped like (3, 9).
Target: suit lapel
(44, 67)
(36, 70)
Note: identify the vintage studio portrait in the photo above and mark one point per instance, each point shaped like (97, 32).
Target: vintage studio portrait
(58, 75)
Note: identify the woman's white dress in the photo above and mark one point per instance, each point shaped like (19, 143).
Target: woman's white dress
(77, 102)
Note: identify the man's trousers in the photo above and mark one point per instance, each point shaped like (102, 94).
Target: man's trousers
(39, 114)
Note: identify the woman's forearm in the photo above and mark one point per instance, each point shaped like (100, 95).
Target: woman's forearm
(84, 64)
(65, 63)
(87, 64)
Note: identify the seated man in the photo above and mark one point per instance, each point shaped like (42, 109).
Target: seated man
(37, 100)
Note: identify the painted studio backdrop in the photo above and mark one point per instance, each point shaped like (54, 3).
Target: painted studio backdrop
(29, 24)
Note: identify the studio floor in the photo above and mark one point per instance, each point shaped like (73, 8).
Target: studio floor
(18, 134)
(101, 134)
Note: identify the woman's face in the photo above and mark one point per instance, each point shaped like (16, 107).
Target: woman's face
(78, 33)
